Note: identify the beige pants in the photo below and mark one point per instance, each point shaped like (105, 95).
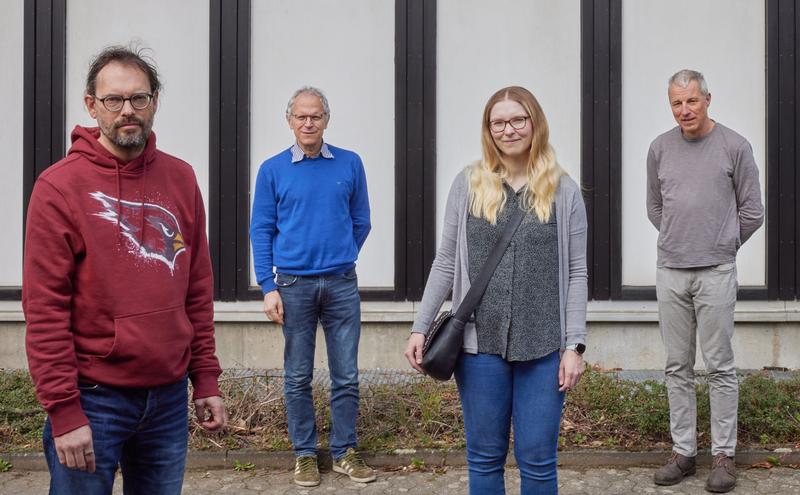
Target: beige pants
(697, 304)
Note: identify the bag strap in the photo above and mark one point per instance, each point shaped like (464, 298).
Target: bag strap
(478, 286)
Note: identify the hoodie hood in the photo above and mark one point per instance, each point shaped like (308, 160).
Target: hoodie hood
(85, 142)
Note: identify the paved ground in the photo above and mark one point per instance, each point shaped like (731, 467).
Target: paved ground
(630, 481)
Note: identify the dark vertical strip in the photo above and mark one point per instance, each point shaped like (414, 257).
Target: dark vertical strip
(791, 226)
(615, 149)
(429, 213)
(784, 179)
(243, 22)
(214, 169)
(587, 127)
(224, 145)
(415, 134)
(400, 148)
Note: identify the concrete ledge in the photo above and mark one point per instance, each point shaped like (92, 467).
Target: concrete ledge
(207, 460)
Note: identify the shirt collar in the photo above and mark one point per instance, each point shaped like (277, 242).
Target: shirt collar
(298, 155)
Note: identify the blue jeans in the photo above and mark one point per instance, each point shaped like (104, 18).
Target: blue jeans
(333, 301)
(493, 392)
(144, 431)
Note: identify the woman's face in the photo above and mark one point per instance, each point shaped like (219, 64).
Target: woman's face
(511, 128)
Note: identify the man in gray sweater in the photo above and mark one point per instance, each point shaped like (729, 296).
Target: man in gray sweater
(704, 198)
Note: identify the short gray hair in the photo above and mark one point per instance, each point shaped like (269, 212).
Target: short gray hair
(309, 90)
(683, 77)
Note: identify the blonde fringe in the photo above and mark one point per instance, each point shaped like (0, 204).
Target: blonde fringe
(488, 197)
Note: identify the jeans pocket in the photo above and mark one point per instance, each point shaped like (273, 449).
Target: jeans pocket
(284, 280)
(350, 275)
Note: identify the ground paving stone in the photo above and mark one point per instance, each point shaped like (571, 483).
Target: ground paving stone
(604, 481)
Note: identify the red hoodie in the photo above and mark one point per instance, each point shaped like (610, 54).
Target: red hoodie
(117, 283)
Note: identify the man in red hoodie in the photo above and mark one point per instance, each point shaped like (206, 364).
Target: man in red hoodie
(117, 294)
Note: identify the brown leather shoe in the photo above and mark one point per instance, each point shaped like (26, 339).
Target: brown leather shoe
(723, 474)
(677, 467)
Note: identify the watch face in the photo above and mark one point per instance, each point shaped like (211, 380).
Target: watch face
(580, 348)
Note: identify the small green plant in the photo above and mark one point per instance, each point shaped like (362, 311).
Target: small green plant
(763, 439)
(5, 466)
(242, 466)
(774, 460)
(417, 464)
(579, 438)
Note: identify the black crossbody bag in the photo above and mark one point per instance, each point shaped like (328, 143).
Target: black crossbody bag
(445, 336)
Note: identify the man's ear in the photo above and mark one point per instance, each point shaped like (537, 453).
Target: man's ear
(155, 102)
(90, 102)
(708, 99)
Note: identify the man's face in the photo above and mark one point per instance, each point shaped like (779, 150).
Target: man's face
(307, 108)
(690, 109)
(123, 132)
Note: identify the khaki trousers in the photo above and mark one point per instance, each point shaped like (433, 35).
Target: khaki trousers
(697, 304)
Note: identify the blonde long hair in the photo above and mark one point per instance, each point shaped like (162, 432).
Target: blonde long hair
(487, 195)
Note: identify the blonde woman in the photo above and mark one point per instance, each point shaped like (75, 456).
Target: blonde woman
(523, 348)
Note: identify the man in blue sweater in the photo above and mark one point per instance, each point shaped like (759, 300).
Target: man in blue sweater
(310, 219)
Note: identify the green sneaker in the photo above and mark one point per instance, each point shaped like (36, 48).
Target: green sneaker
(354, 466)
(306, 471)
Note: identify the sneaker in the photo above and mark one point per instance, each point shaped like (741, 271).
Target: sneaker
(306, 471)
(677, 468)
(723, 474)
(354, 466)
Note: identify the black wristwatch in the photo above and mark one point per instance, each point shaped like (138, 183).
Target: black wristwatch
(579, 348)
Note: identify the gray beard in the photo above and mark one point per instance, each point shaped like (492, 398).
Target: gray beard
(131, 141)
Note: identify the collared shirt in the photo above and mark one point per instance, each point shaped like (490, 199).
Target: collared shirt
(298, 154)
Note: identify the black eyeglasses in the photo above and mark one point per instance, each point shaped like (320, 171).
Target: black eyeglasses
(114, 103)
(500, 125)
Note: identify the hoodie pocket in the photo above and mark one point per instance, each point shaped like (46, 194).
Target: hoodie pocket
(151, 341)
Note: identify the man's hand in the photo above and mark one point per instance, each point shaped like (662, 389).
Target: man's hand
(75, 449)
(570, 370)
(273, 306)
(211, 413)
(414, 351)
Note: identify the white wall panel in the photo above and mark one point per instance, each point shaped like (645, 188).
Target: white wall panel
(11, 86)
(177, 32)
(347, 50)
(723, 39)
(484, 46)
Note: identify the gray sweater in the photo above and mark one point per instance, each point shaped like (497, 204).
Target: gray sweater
(703, 196)
(450, 268)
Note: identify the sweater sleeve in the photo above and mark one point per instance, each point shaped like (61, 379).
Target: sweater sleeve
(654, 201)
(577, 290)
(52, 245)
(748, 193)
(440, 280)
(204, 367)
(359, 205)
(263, 228)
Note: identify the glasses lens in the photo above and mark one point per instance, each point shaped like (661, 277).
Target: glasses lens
(113, 103)
(140, 101)
(517, 122)
(497, 126)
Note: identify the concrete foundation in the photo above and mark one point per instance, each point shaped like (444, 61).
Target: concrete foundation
(621, 335)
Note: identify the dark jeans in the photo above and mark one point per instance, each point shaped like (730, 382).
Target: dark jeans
(144, 431)
(493, 392)
(333, 301)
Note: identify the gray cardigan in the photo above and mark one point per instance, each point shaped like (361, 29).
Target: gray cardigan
(450, 268)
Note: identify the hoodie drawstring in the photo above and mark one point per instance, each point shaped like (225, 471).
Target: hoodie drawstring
(119, 199)
(144, 188)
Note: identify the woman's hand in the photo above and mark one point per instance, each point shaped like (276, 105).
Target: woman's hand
(570, 370)
(414, 351)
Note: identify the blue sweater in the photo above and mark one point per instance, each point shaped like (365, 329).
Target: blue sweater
(309, 217)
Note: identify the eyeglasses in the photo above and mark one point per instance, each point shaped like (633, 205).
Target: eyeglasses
(114, 103)
(500, 125)
(302, 119)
